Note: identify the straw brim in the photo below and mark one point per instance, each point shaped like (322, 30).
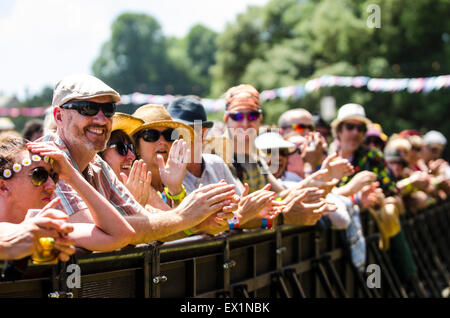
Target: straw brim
(126, 123)
(182, 128)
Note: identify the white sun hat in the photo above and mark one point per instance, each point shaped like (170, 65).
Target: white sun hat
(272, 140)
(348, 112)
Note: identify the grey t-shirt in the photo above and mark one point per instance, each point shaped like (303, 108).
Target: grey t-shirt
(215, 169)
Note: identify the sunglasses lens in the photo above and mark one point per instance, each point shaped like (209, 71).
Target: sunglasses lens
(55, 177)
(237, 116)
(252, 116)
(122, 148)
(109, 109)
(88, 109)
(150, 135)
(39, 176)
(170, 135)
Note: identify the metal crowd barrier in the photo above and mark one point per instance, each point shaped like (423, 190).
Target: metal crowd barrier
(289, 261)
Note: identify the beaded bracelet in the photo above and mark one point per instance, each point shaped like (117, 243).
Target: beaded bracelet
(266, 224)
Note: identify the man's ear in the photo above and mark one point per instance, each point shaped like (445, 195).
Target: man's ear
(57, 115)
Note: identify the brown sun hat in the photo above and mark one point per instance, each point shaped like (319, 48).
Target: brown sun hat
(126, 123)
(157, 116)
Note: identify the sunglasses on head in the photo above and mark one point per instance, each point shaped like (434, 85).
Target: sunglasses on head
(359, 127)
(40, 175)
(88, 108)
(122, 148)
(239, 116)
(301, 127)
(152, 135)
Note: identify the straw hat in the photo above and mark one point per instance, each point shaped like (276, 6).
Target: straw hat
(348, 112)
(126, 123)
(157, 116)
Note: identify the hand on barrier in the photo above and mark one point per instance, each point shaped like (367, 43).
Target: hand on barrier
(205, 201)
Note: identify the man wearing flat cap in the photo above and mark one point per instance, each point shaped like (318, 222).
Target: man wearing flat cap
(83, 107)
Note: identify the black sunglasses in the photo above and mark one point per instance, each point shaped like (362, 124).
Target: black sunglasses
(152, 135)
(122, 148)
(374, 140)
(88, 108)
(359, 127)
(284, 152)
(239, 116)
(39, 176)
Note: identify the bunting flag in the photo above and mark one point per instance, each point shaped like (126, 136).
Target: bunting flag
(392, 85)
(16, 112)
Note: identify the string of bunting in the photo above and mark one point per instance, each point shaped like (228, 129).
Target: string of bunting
(412, 85)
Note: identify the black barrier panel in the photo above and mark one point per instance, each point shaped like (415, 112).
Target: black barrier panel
(288, 261)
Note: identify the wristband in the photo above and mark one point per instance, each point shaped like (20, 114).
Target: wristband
(266, 224)
(409, 187)
(179, 197)
(233, 223)
(355, 199)
(188, 233)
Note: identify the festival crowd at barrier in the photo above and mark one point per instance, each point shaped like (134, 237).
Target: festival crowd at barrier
(91, 178)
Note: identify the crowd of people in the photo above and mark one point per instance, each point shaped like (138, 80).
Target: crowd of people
(96, 179)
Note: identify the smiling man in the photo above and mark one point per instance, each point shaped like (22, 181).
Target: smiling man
(83, 107)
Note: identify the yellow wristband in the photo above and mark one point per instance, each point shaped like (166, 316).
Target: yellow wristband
(180, 196)
(188, 233)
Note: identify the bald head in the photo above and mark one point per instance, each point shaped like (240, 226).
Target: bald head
(297, 116)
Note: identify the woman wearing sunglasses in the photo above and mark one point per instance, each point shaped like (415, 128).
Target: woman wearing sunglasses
(159, 145)
(108, 230)
(120, 154)
(21, 173)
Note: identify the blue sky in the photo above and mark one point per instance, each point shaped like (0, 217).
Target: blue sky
(45, 40)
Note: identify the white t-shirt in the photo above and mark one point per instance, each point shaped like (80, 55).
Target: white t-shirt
(215, 169)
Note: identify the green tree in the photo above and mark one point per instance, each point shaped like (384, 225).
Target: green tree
(135, 58)
(201, 47)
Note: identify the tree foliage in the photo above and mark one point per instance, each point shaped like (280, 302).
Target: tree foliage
(288, 42)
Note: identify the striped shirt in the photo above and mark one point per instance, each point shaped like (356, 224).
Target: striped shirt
(100, 175)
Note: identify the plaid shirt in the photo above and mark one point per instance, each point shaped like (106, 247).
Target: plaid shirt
(100, 175)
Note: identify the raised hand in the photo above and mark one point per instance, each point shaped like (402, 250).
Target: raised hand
(360, 180)
(372, 196)
(139, 181)
(337, 167)
(172, 172)
(62, 162)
